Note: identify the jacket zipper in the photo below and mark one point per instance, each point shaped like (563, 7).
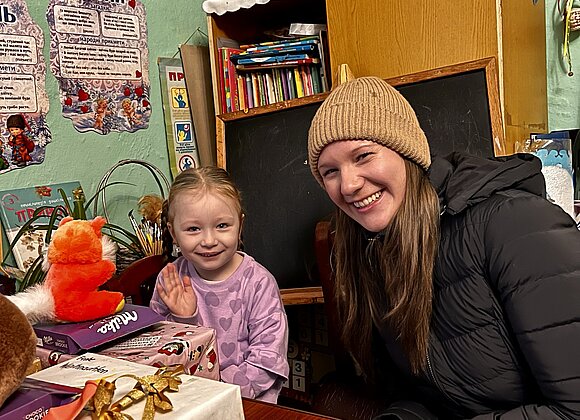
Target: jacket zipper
(433, 378)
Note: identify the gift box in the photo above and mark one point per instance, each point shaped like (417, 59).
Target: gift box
(74, 338)
(33, 399)
(171, 343)
(163, 344)
(198, 398)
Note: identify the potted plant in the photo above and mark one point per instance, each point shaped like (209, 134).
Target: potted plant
(47, 218)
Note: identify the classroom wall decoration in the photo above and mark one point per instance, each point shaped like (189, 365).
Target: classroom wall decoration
(181, 141)
(99, 55)
(24, 133)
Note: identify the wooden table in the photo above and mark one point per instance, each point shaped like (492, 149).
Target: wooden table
(259, 410)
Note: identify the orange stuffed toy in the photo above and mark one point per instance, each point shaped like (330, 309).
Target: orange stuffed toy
(76, 268)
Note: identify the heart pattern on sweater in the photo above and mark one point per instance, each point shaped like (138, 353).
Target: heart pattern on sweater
(225, 323)
(236, 305)
(211, 299)
(228, 349)
(268, 362)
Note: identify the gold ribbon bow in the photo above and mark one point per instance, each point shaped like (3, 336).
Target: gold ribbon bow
(152, 387)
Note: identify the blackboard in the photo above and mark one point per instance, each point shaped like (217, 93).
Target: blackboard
(457, 107)
(266, 154)
(267, 158)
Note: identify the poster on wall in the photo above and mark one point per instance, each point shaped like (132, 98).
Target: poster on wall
(99, 55)
(181, 142)
(24, 133)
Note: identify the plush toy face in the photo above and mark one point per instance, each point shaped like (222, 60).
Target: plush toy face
(77, 241)
(17, 347)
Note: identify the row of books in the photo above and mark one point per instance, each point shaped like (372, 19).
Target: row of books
(260, 74)
(261, 88)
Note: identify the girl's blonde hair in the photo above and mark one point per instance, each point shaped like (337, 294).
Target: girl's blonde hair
(197, 181)
(387, 280)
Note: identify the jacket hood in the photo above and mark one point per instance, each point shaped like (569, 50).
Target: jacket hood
(462, 180)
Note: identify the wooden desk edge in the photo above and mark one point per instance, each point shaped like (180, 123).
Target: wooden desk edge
(302, 296)
(259, 410)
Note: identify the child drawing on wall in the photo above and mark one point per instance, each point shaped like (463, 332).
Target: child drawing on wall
(100, 112)
(129, 112)
(21, 145)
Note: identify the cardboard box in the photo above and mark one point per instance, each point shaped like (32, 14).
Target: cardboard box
(33, 399)
(197, 398)
(163, 344)
(74, 338)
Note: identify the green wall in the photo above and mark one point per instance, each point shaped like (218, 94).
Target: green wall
(87, 157)
(563, 90)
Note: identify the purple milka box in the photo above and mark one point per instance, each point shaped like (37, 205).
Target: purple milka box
(33, 399)
(77, 337)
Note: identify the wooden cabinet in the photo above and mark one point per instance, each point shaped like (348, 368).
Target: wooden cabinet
(248, 26)
(389, 38)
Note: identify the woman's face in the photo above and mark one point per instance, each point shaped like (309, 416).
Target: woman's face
(365, 180)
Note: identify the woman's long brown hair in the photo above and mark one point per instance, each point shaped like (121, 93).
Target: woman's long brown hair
(389, 280)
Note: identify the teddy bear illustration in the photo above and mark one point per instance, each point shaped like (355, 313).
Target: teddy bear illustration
(76, 267)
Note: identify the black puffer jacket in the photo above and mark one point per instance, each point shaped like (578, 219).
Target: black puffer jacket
(506, 316)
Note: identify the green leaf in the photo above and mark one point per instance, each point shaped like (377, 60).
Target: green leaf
(66, 202)
(96, 194)
(34, 274)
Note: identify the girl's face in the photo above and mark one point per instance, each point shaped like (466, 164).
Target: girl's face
(207, 229)
(365, 180)
(15, 131)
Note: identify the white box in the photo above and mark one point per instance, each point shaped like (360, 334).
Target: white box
(198, 398)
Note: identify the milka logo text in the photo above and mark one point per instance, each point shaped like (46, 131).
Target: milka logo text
(116, 323)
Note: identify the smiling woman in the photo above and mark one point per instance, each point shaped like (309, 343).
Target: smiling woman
(428, 253)
(365, 180)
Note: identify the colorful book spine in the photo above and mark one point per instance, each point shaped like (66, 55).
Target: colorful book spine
(298, 81)
(270, 44)
(315, 79)
(241, 92)
(255, 90)
(291, 84)
(273, 59)
(221, 83)
(249, 90)
(230, 79)
(262, 89)
(289, 63)
(274, 51)
(227, 93)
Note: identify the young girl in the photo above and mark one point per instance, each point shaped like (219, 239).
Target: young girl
(215, 285)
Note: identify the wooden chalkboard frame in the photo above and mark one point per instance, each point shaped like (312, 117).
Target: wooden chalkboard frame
(314, 294)
(488, 65)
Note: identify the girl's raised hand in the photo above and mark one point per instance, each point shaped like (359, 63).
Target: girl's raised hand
(177, 295)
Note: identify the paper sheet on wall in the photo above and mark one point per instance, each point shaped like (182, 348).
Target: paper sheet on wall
(181, 140)
(100, 58)
(24, 103)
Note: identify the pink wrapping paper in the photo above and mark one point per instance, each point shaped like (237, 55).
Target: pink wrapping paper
(164, 343)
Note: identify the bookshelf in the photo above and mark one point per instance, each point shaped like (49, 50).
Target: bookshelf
(250, 26)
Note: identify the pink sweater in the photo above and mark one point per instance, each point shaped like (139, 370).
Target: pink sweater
(250, 322)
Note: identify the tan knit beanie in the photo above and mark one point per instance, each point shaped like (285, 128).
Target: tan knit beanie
(367, 108)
